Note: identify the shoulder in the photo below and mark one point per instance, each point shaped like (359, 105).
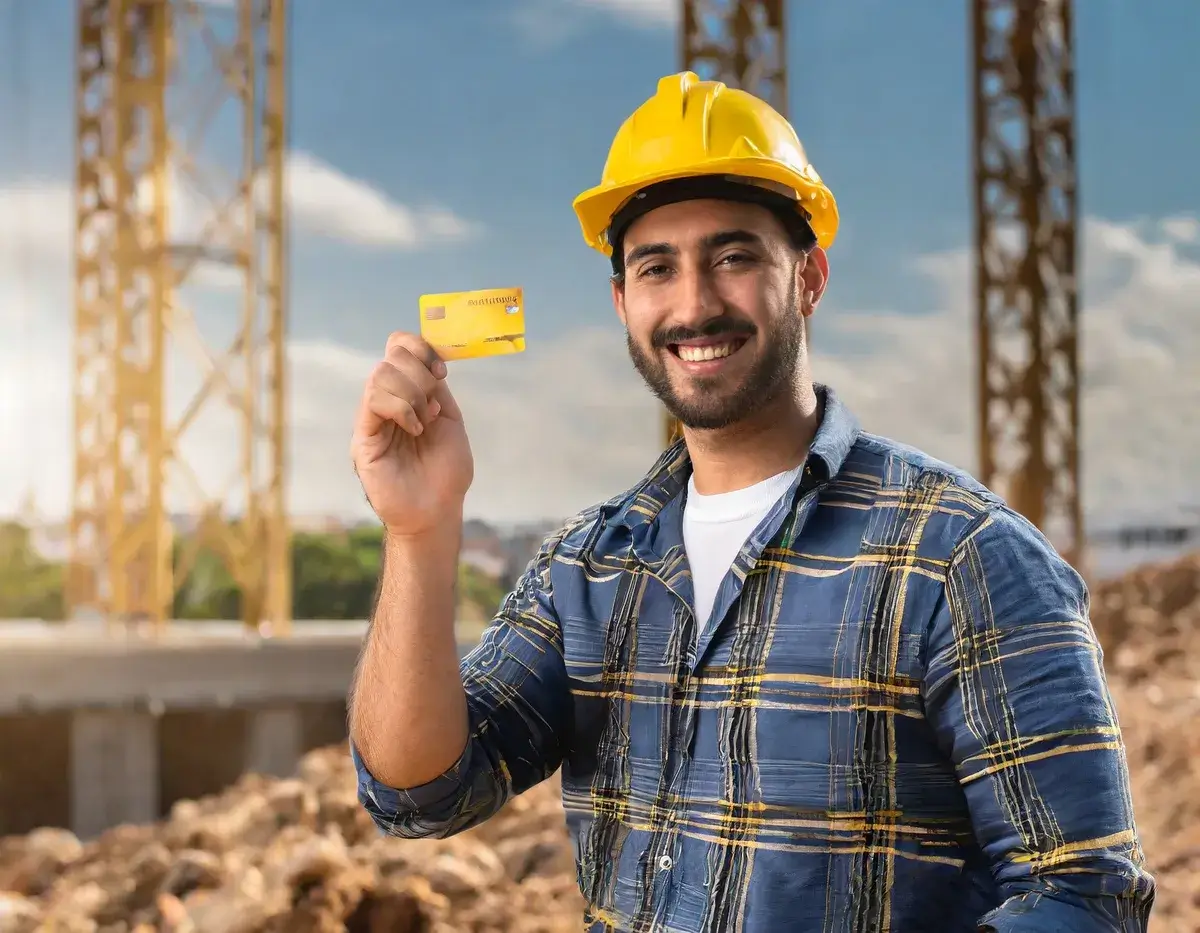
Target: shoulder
(997, 568)
(900, 466)
(569, 537)
(954, 509)
(579, 533)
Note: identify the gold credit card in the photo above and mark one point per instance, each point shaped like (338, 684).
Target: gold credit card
(465, 325)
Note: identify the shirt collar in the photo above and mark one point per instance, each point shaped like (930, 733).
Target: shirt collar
(835, 436)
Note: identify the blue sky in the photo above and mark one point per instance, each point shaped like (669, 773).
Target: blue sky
(467, 105)
(501, 111)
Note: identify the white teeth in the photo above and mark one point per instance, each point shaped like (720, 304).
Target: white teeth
(698, 354)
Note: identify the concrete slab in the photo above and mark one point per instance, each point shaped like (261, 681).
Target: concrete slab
(142, 720)
(50, 667)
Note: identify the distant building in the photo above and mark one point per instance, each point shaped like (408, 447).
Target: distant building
(483, 548)
(493, 565)
(319, 524)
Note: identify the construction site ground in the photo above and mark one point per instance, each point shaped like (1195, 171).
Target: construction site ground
(301, 856)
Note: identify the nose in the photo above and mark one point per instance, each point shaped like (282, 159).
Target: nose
(697, 300)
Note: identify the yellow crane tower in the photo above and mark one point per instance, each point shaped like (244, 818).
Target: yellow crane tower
(1026, 277)
(1025, 229)
(158, 210)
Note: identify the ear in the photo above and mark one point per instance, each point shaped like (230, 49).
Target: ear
(814, 277)
(618, 298)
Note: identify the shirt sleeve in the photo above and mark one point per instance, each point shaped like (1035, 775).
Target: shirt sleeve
(1017, 694)
(519, 704)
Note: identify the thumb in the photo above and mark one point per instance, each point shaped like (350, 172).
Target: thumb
(444, 397)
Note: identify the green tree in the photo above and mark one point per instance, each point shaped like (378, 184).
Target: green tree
(479, 597)
(208, 592)
(31, 587)
(335, 576)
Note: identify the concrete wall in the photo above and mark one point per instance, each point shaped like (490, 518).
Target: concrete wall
(99, 728)
(35, 767)
(90, 769)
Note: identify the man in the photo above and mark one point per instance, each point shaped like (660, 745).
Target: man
(800, 677)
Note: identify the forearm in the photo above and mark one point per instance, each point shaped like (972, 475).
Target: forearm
(408, 708)
(439, 745)
(1016, 693)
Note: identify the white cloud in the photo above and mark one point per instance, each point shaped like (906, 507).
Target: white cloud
(637, 12)
(37, 220)
(326, 202)
(1182, 229)
(549, 22)
(1139, 338)
(569, 423)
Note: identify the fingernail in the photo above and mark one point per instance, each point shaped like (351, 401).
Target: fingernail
(434, 409)
(439, 369)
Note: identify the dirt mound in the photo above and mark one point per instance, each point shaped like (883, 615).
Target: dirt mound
(295, 856)
(301, 856)
(1149, 623)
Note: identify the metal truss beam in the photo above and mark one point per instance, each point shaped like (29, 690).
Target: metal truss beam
(160, 223)
(1025, 240)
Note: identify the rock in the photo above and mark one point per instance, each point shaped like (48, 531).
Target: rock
(192, 870)
(1149, 624)
(18, 914)
(285, 856)
(31, 868)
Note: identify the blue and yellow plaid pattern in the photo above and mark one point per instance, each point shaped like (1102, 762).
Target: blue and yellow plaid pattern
(896, 720)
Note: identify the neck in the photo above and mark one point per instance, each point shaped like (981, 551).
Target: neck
(771, 441)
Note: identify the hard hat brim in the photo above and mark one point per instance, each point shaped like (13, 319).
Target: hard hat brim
(596, 206)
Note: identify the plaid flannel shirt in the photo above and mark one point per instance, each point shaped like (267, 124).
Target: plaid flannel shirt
(896, 718)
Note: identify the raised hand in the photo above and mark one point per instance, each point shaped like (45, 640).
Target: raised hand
(410, 447)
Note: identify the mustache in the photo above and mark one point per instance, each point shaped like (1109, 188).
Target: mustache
(723, 326)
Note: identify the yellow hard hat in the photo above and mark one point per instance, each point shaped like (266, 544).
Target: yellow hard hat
(691, 129)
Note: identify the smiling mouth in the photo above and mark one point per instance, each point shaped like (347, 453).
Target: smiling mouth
(708, 350)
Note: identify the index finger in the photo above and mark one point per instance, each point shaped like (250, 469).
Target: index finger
(420, 348)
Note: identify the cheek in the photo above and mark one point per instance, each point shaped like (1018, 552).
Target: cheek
(750, 298)
(642, 316)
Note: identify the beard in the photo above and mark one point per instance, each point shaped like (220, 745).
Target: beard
(712, 403)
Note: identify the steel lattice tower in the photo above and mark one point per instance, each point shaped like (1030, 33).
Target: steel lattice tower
(740, 42)
(1025, 239)
(179, 197)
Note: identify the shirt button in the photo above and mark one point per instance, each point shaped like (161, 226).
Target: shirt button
(665, 863)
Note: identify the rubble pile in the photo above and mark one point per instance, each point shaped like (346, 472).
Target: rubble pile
(295, 856)
(1149, 624)
(301, 856)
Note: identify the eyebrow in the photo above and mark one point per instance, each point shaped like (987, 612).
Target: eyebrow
(710, 242)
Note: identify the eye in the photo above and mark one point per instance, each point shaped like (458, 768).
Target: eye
(734, 259)
(653, 271)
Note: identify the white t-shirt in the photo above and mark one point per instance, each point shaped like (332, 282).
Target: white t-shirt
(716, 527)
